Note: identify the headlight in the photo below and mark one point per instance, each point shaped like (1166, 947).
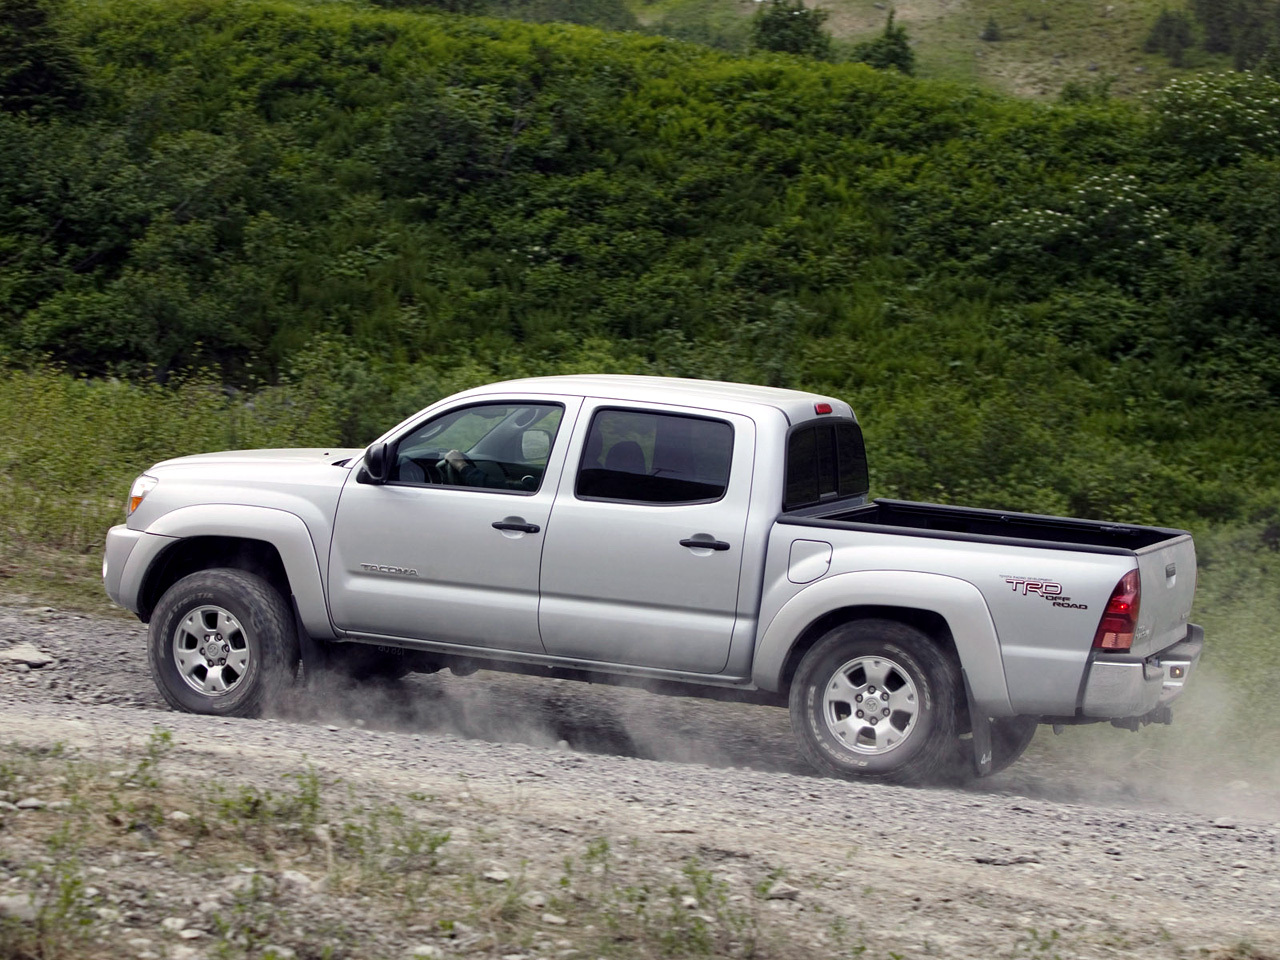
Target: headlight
(138, 492)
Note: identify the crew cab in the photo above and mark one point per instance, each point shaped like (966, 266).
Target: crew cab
(711, 539)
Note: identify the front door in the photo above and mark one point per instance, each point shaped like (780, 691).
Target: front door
(642, 561)
(448, 549)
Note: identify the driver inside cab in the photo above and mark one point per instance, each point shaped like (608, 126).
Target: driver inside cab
(468, 473)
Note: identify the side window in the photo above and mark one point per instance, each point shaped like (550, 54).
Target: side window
(642, 457)
(825, 461)
(500, 446)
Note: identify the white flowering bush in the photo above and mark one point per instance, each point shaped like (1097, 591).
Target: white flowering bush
(1108, 221)
(1219, 118)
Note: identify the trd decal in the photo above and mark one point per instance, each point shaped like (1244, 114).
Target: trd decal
(1045, 589)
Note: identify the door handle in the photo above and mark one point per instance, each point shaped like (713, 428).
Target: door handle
(707, 544)
(516, 524)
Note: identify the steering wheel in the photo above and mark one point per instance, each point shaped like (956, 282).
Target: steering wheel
(450, 474)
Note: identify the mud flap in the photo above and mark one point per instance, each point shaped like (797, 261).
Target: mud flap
(309, 653)
(981, 727)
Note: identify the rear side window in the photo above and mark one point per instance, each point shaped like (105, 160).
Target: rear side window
(641, 457)
(825, 461)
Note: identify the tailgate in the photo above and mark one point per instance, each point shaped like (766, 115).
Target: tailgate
(1168, 572)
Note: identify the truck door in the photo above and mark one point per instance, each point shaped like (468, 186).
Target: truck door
(642, 559)
(449, 553)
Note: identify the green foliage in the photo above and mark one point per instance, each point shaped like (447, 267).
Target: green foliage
(788, 26)
(1220, 118)
(445, 6)
(1268, 63)
(713, 25)
(340, 214)
(62, 901)
(692, 916)
(1253, 25)
(40, 73)
(71, 446)
(1249, 30)
(146, 773)
(245, 926)
(1214, 18)
(889, 51)
(385, 848)
(1108, 226)
(605, 14)
(1078, 92)
(991, 32)
(1170, 35)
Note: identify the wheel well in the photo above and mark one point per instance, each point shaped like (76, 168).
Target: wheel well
(203, 553)
(934, 625)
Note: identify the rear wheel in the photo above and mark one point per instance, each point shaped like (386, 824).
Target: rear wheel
(877, 699)
(1010, 737)
(222, 642)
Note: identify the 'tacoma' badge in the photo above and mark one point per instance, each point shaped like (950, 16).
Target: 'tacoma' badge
(389, 570)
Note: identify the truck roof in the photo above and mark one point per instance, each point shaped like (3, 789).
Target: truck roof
(795, 405)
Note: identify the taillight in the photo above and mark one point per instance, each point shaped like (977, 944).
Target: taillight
(1120, 619)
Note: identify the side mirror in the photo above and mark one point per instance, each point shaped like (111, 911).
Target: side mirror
(535, 445)
(376, 464)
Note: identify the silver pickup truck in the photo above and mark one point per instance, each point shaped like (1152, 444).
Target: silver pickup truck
(709, 539)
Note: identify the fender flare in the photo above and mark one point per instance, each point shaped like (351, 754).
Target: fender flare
(285, 531)
(957, 601)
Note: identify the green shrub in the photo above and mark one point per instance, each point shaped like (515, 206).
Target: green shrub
(1219, 118)
(788, 26)
(889, 51)
(40, 72)
(345, 213)
(1170, 35)
(72, 446)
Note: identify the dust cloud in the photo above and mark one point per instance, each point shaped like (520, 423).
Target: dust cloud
(1220, 757)
(565, 714)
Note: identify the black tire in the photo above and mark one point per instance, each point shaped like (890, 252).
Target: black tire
(1010, 737)
(222, 627)
(915, 729)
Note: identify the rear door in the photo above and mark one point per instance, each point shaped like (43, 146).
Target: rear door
(642, 559)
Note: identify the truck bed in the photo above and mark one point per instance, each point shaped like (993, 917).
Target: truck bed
(993, 526)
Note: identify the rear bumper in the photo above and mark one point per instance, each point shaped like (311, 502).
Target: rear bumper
(1116, 687)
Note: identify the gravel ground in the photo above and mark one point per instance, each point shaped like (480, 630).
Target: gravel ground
(1040, 861)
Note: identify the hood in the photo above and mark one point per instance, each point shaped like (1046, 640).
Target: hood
(258, 458)
(303, 482)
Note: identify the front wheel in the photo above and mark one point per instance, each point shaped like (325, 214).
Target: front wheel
(222, 642)
(877, 700)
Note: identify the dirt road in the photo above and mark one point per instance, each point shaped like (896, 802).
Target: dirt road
(527, 775)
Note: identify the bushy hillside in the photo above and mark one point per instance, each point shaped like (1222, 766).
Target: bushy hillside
(1027, 48)
(1069, 309)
